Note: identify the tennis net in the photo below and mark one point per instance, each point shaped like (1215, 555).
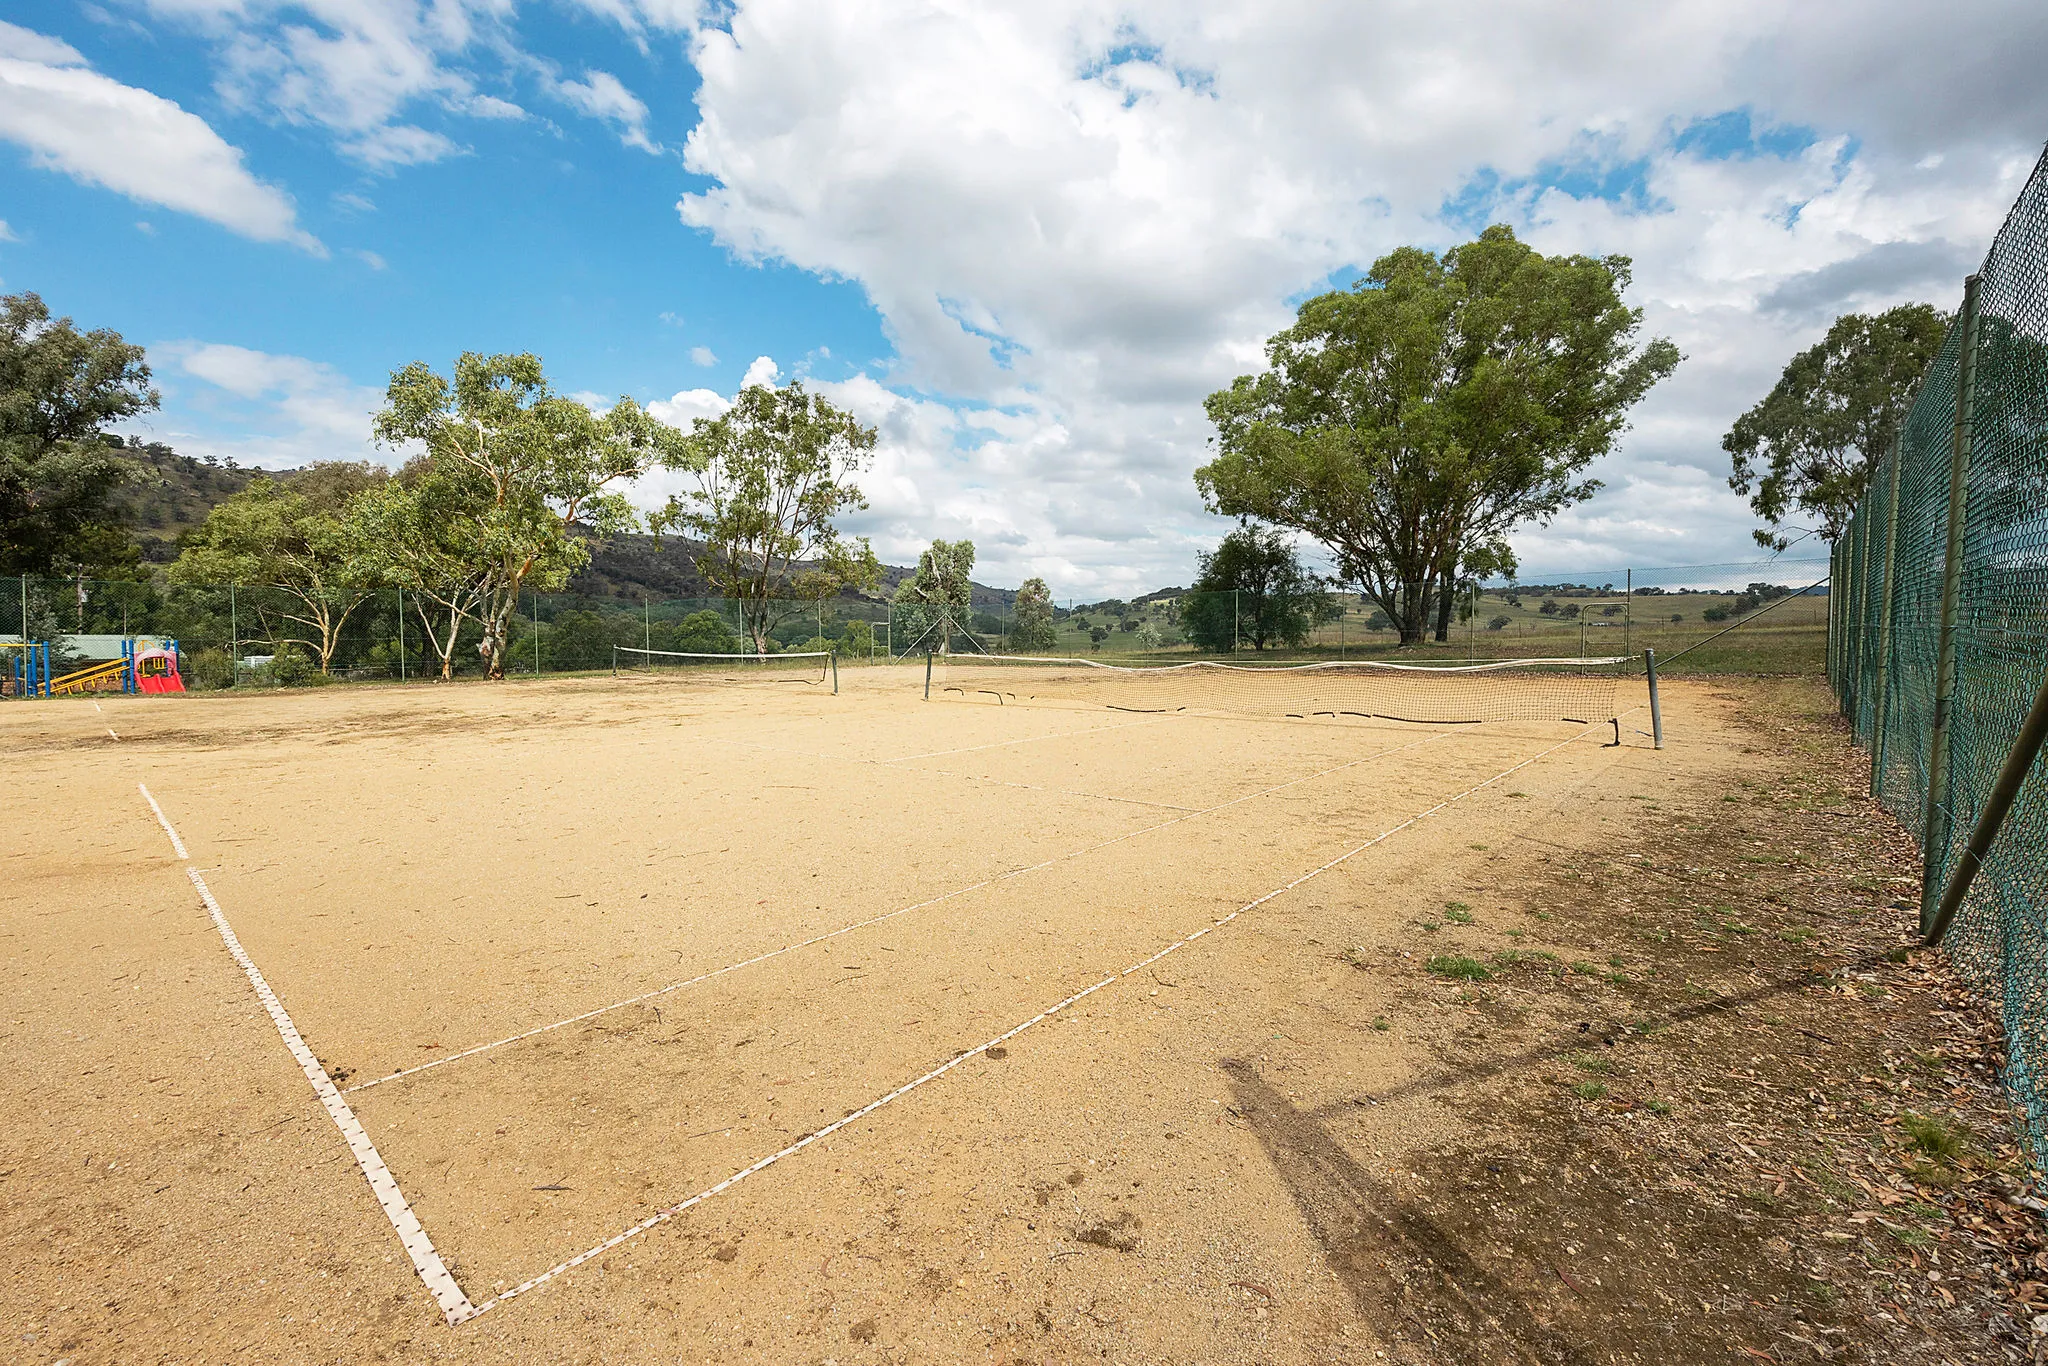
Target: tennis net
(808, 668)
(1580, 690)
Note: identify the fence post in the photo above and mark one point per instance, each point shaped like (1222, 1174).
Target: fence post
(401, 635)
(1628, 611)
(1937, 818)
(1881, 701)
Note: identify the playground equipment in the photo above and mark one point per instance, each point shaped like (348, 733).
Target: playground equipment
(25, 668)
(145, 666)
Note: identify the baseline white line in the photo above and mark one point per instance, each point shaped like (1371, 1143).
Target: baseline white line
(871, 921)
(110, 731)
(162, 820)
(433, 1272)
(455, 1305)
(663, 1216)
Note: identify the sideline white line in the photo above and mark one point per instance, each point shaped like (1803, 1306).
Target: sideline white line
(663, 1216)
(176, 843)
(874, 920)
(455, 1305)
(110, 731)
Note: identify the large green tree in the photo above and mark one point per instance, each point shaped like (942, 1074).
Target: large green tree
(523, 467)
(773, 474)
(936, 600)
(1031, 625)
(416, 533)
(1412, 422)
(59, 388)
(1809, 446)
(1253, 591)
(291, 542)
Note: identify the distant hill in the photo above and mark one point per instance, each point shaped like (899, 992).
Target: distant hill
(635, 568)
(175, 492)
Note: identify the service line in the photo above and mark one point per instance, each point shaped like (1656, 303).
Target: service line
(433, 1272)
(663, 1216)
(877, 919)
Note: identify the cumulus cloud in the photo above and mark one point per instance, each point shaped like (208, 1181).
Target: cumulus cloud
(1076, 223)
(761, 373)
(268, 410)
(96, 130)
(702, 356)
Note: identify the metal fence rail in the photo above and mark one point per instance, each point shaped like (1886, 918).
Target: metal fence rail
(1941, 638)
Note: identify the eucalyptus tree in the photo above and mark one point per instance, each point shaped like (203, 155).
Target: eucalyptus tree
(523, 467)
(1810, 444)
(937, 597)
(772, 476)
(290, 540)
(1412, 422)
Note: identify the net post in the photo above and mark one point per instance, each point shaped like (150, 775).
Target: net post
(927, 674)
(833, 656)
(615, 661)
(1628, 612)
(1881, 700)
(1936, 816)
(1656, 706)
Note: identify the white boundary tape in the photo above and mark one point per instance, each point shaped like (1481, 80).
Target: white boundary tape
(176, 843)
(455, 1305)
(871, 920)
(663, 1216)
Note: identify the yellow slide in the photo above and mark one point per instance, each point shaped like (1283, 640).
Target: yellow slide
(104, 677)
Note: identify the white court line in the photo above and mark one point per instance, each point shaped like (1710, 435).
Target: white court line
(176, 843)
(455, 1305)
(872, 920)
(663, 1216)
(110, 731)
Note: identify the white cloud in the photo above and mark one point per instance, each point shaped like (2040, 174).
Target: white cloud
(1077, 223)
(762, 373)
(491, 107)
(268, 410)
(354, 67)
(369, 258)
(6, 233)
(702, 356)
(94, 129)
(350, 202)
(602, 96)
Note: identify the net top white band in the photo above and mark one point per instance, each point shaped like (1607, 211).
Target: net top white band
(729, 659)
(1492, 666)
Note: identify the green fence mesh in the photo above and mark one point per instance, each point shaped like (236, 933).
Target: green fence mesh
(1979, 427)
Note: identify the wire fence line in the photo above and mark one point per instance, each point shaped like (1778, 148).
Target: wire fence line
(1939, 637)
(253, 634)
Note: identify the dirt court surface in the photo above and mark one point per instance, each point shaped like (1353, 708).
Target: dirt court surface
(573, 952)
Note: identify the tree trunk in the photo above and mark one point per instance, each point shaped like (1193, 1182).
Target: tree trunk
(1446, 599)
(1413, 605)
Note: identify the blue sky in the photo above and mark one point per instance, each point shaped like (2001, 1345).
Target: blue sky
(1023, 243)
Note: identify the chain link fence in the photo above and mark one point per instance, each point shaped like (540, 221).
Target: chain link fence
(1940, 635)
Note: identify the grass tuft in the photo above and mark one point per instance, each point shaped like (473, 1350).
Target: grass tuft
(1458, 968)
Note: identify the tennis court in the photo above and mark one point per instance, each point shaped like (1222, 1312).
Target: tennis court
(575, 955)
